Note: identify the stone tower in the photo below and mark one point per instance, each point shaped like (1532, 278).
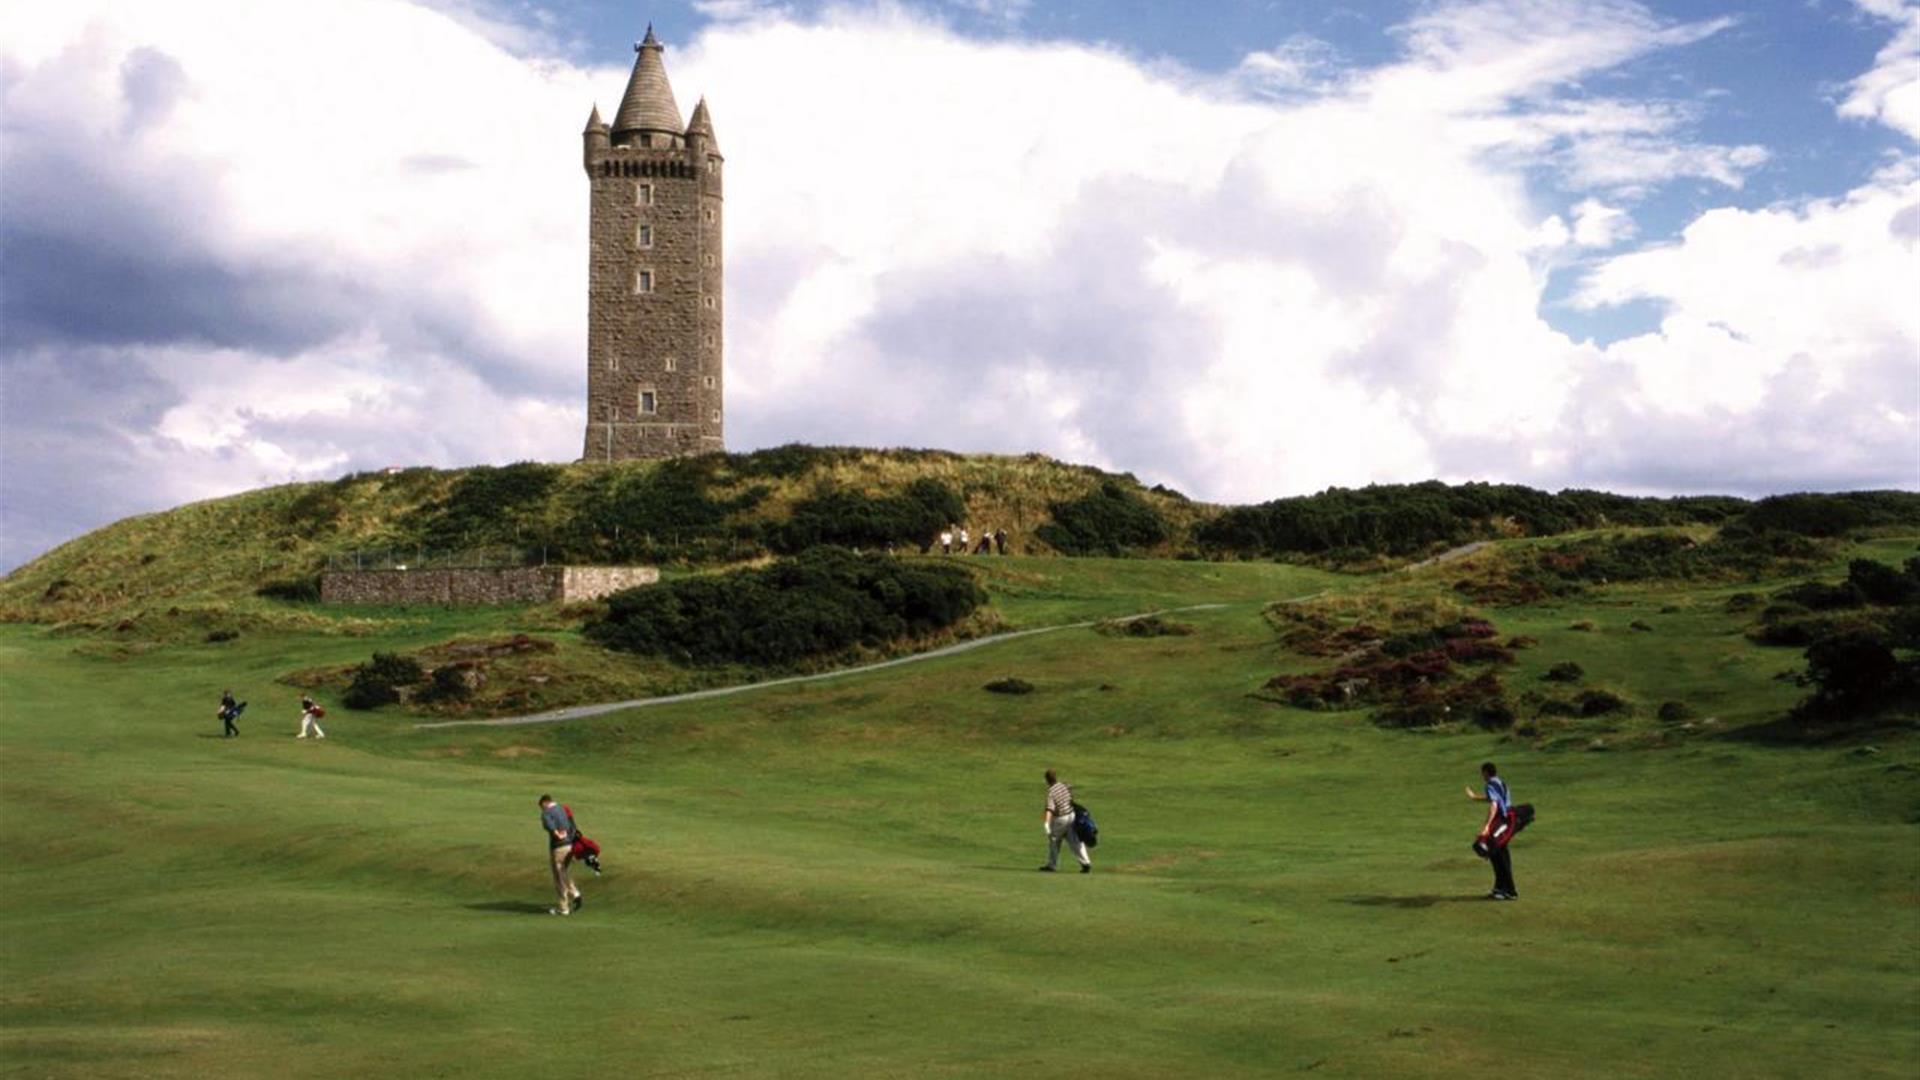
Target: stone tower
(654, 265)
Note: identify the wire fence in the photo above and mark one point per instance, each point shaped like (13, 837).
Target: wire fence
(423, 558)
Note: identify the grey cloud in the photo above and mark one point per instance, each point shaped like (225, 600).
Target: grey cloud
(150, 83)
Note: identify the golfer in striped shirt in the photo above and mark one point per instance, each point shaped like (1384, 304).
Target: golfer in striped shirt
(1058, 822)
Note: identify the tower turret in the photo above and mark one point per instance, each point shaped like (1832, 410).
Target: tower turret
(594, 140)
(648, 114)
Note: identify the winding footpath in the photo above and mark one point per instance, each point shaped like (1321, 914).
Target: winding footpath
(581, 712)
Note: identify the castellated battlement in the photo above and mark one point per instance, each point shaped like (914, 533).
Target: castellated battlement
(655, 272)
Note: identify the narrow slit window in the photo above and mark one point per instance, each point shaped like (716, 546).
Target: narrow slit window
(649, 403)
(707, 300)
(672, 364)
(709, 217)
(643, 194)
(708, 382)
(643, 281)
(643, 236)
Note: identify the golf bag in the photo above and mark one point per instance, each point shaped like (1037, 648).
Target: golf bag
(1519, 817)
(1084, 828)
(584, 849)
(228, 714)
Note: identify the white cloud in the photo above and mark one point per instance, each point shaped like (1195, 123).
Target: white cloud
(931, 241)
(1890, 92)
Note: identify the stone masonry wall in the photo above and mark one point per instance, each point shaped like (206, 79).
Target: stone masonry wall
(594, 582)
(509, 585)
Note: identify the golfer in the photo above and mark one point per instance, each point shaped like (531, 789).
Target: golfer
(1497, 830)
(310, 715)
(559, 829)
(1057, 820)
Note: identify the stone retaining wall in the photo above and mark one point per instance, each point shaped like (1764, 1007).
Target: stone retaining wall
(505, 585)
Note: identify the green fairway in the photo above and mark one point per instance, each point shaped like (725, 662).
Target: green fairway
(837, 878)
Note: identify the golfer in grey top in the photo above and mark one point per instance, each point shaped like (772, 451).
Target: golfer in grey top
(1057, 820)
(560, 855)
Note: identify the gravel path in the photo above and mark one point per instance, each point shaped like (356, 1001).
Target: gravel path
(1448, 556)
(579, 712)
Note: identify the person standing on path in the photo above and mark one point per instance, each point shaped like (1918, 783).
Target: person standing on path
(310, 715)
(1497, 830)
(1057, 820)
(559, 829)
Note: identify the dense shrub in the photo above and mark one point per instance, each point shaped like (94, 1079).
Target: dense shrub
(304, 589)
(1110, 520)
(822, 602)
(1878, 583)
(489, 505)
(851, 519)
(1599, 702)
(1833, 514)
(1010, 685)
(1673, 712)
(1854, 675)
(450, 682)
(379, 681)
(1567, 671)
(1819, 596)
(1407, 519)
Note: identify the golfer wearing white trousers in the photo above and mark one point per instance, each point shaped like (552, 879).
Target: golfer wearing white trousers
(309, 721)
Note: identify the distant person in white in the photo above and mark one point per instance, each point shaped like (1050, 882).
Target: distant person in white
(310, 715)
(1057, 820)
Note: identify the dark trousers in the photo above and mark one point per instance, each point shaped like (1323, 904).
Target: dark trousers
(1502, 861)
(228, 720)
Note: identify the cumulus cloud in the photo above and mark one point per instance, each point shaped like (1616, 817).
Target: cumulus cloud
(232, 259)
(1890, 91)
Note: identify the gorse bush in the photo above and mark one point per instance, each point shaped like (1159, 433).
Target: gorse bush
(853, 519)
(380, 680)
(1110, 520)
(1406, 519)
(825, 601)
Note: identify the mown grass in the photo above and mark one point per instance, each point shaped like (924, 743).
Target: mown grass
(836, 878)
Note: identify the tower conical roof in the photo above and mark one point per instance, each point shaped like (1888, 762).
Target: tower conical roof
(594, 123)
(701, 123)
(648, 104)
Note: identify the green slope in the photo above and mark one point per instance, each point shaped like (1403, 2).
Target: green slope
(836, 878)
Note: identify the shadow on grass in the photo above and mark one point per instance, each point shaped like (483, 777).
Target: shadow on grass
(510, 907)
(1408, 902)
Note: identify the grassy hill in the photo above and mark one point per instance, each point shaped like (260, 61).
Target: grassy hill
(209, 560)
(836, 877)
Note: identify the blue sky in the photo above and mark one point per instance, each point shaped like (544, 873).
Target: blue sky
(1245, 249)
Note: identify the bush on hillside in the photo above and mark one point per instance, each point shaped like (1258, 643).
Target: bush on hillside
(852, 519)
(304, 589)
(1411, 519)
(489, 505)
(1009, 685)
(380, 680)
(822, 602)
(1110, 520)
(1836, 514)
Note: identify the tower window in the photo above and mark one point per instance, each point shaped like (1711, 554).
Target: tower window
(707, 300)
(709, 341)
(643, 281)
(716, 416)
(707, 259)
(649, 403)
(709, 217)
(708, 382)
(643, 236)
(643, 194)
(672, 364)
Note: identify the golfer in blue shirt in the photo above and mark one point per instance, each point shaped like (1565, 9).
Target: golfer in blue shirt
(1496, 832)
